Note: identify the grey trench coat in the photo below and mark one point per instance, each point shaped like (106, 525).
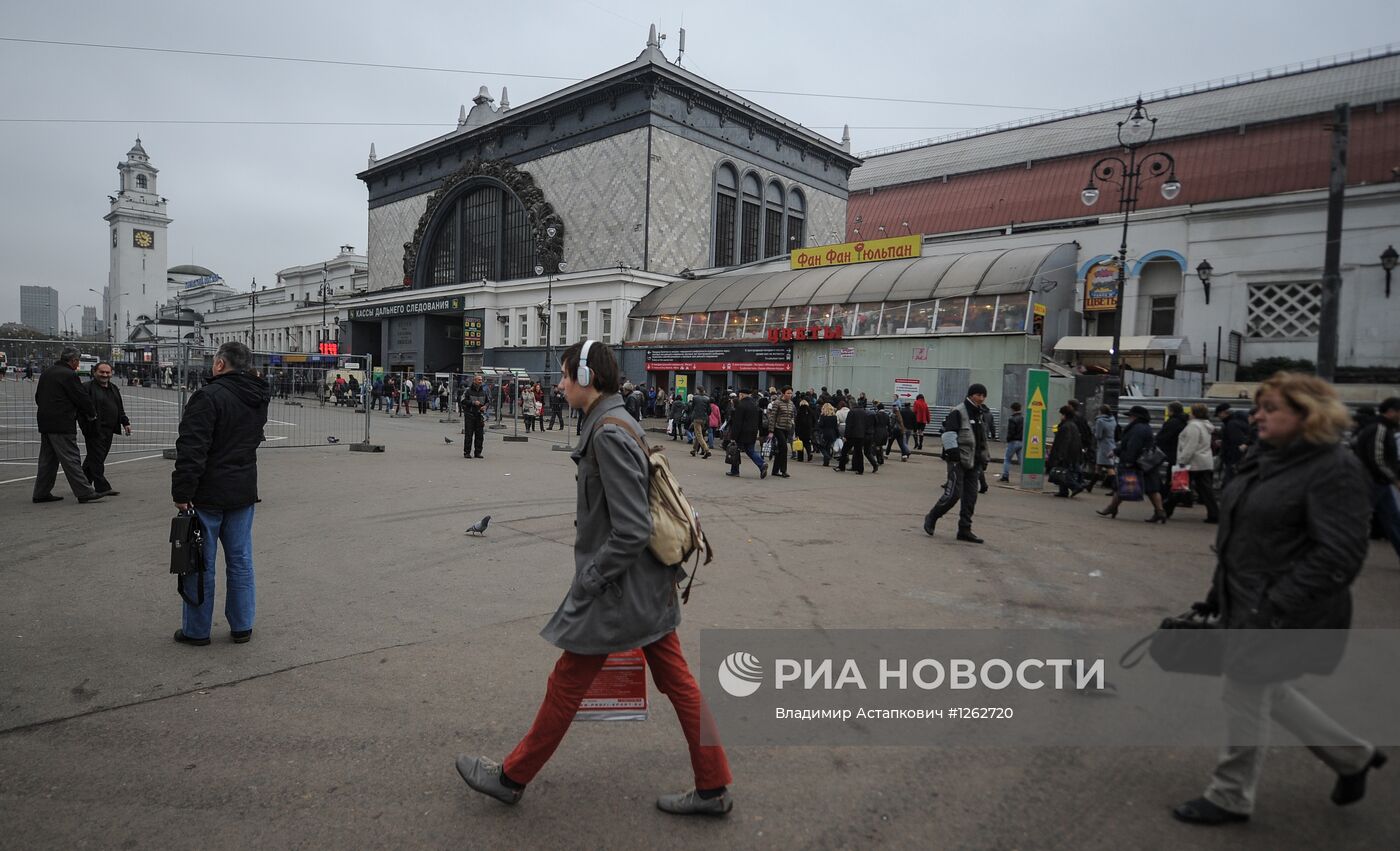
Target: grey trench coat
(621, 597)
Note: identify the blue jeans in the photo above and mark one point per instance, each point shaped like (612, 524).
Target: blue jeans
(750, 449)
(1013, 451)
(232, 527)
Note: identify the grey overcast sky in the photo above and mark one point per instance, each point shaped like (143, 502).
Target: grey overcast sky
(248, 200)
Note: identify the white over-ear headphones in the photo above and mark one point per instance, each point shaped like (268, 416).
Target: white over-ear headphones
(585, 375)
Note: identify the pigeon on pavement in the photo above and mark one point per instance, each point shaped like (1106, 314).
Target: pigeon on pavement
(479, 528)
(447, 440)
(332, 439)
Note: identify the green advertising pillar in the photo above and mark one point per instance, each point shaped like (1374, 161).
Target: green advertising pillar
(1033, 446)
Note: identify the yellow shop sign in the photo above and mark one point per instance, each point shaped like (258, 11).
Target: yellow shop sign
(865, 251)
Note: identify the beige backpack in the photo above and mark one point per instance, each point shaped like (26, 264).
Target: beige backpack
(675, 527)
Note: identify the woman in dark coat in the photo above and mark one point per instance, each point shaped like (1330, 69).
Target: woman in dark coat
(802, 427)
(1067, 452)
(1292, 539)
(828, 430)
(1137, 439)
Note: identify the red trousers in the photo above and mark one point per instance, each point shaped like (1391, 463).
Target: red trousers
(569, 682)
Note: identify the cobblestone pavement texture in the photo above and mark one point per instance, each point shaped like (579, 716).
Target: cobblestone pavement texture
(387, 642)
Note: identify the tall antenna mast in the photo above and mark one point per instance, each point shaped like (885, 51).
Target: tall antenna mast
(681, 54)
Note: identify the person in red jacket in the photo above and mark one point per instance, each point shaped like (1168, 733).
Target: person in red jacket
(921, 418)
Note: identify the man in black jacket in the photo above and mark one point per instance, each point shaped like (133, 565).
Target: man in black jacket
(111, 419)
(216, 474)
(964, 439)
(744, 424)
(474, 404)
(1375, 444)
(62, 403)
(1234, 438)
(860, 430)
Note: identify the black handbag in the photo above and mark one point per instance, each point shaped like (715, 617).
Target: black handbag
(1151, 458)
(187, 553)
(1189, 643)
(1057, 476)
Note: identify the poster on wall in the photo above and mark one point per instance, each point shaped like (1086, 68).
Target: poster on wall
(906, 389)
(1101, 286)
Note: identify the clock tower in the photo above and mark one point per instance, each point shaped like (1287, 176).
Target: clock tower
(136, 280)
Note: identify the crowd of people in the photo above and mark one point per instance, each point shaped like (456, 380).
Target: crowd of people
(1298, 483)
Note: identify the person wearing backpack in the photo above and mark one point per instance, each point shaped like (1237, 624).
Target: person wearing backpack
(621, 598)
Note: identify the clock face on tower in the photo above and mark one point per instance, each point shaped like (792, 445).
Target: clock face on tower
(143, 238)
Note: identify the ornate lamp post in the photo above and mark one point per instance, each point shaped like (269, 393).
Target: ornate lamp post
(1388, 258)
(1203, 271)
(1134, 132)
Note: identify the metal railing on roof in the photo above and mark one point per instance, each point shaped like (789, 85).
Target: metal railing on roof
(1149, 97)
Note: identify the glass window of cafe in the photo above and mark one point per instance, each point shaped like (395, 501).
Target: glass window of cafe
(959, 315)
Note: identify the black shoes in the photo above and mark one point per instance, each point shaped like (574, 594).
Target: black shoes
(1156, 518)
(762, 471)
(181, 638)
(242, 636)
(49, 498)
(1351, 788)
(1108, 512)
(86, 499)
(1203, 812)
(110, 493)
(732, 473)
(969, 537)
(928, 524)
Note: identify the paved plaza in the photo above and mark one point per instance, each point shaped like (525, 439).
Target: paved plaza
(387, 642)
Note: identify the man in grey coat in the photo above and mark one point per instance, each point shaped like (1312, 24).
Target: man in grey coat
(621, 598)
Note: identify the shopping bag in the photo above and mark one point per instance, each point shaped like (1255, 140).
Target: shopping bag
(837, 445)
(797, 444)
(1181, 480)
(1129, 486)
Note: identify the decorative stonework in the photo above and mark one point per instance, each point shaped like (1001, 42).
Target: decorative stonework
(548, 249)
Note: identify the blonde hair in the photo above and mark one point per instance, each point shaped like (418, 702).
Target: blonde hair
(1324, 416)
(827, 410)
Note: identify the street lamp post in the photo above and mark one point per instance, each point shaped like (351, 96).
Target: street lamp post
(67, 325)
(1388, 258)
(325, 329)
(1133, 132)
(253, 324)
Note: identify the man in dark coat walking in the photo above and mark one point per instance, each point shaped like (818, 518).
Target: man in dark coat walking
(965, 449)
(860, 430)
(111, 420)
(1234, 438)
(744, 424)
(62, 404)
(1376, 447)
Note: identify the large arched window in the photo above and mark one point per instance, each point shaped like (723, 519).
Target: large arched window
(484, 233)
(726, 201)
(748, 231)
(796, 219)
(773, 220)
